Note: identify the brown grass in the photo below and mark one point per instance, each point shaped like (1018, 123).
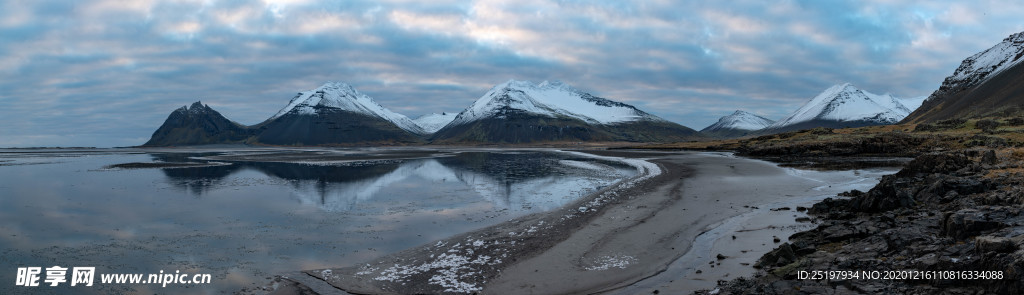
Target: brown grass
(956, 138)
(996, 173)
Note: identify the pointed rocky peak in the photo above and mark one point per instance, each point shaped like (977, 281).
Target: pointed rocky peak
(196, 108)
(197, 124)
(743, 114)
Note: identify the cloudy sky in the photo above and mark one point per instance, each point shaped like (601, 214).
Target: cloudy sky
(107, 73)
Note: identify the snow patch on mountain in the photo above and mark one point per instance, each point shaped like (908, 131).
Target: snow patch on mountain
(844, 102)
(342, 96)
(431, 123)
(988, 63)
(551, 99)
(740, 120)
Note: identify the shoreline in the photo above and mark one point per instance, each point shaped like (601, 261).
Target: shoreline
(742, 240)
(463, 263)
(951, 219)
(634, 234)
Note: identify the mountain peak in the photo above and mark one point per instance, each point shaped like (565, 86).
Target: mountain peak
(1015, 37)
(552, 83)
(986, 83)
(526, 85)
(340, 96)
(555, 84)
(739, 113)
(739, 120)
(551, 99)
(338, 87)
(977, 68)
(195, 108)
(840, 88)
(846, 103)
(197, 124)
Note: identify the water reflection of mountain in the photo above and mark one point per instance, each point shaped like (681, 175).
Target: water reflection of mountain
(508, 180)
(198, 180)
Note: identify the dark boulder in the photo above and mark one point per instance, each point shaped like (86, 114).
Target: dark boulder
(891, 193)
(985, 244)
(935, 163)
(989, 158)
(782, 255)
(971, 222)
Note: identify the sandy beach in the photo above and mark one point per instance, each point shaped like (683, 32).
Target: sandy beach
(663, 230)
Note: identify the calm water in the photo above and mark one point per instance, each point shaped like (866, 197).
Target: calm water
(247, 221)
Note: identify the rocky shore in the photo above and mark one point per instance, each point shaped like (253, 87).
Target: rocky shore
(948, 222)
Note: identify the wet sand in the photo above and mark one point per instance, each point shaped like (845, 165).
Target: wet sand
(662, 233)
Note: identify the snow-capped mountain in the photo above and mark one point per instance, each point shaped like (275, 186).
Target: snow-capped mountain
(341, 96)
(844, 105)
(514, 112)
(740, 120)
(336, 113)
(433, 122)
(552, 99)
(982, 65)
(521, 111)
(986, 83)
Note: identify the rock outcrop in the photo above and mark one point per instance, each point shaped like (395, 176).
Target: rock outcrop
(959, 213)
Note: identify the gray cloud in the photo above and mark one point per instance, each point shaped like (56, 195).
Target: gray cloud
(107, 73)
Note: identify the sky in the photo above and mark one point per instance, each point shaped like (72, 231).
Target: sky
(107, 73)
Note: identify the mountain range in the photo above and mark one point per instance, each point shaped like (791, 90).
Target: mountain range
(988, 83)
(985, 84)
(839, 106)
(513, 112)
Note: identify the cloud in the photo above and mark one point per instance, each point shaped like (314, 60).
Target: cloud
(108, 72)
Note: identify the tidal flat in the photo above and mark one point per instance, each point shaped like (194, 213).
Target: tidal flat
(390, 220)
(246, 214)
